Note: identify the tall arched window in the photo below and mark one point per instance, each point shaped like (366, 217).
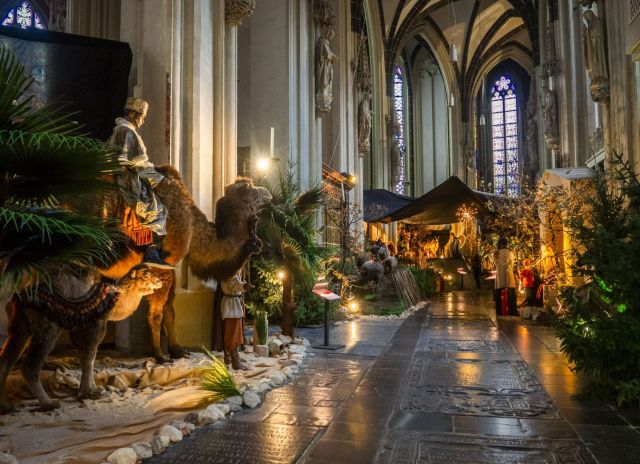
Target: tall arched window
(399, 111)
(22, 15)
(504, 123)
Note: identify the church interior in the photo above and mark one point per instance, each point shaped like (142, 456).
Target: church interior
(448, 189)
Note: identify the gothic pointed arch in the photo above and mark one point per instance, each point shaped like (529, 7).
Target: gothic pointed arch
(25, 14)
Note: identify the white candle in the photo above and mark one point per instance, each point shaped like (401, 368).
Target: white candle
(271, 144)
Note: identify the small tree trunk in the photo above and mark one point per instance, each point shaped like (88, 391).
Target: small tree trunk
(288, 306)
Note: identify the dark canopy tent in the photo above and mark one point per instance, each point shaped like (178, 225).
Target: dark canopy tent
(87, 75)
(379, 203)
(439, 206)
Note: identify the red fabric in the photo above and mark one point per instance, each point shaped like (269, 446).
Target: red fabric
(504, 302)
(140, 234)
(526, 275)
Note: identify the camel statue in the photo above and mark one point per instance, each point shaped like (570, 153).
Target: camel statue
(214, 250)
(83, 305)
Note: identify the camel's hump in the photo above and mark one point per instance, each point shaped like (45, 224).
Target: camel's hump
(169, 172)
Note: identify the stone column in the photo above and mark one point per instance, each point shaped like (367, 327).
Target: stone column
(235, 11)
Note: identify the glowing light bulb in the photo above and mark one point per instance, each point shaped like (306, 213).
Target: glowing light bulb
(263, 164)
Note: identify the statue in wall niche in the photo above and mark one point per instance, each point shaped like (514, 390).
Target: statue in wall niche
(596, 56)
(324, 71)
(532, 127)
(395, 150)
(550, 111)
(532, 142)
(364, 123)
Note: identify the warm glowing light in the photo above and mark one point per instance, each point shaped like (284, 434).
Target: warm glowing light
(281, 275)
(352, 179)
(466, 213)
(354, 307)
(263, 164)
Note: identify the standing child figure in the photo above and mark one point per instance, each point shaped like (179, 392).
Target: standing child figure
(232, 314)
(527, 279)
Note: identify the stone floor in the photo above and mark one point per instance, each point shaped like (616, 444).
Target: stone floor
(448, 385)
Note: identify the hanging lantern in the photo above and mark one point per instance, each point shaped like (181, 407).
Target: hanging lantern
(454, 54)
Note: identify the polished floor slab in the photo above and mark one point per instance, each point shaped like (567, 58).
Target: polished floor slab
(451, 384)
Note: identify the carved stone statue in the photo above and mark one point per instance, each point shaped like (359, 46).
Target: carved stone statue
(395, 151)
(532, 142)
(532, 127)
(596, 56)
(324, 72)
(364, 123)
(550, 108)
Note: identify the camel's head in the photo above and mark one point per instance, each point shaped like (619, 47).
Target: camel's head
(144, 281)
(255, 197)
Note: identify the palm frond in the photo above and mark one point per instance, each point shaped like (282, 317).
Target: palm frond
(309, 201)
(217, 379)
(38, 241)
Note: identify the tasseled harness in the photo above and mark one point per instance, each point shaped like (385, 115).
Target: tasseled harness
(74, 314)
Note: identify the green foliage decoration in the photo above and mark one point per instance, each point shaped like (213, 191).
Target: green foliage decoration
(261, 323)
(289, 233)
(426, 279)
(600, 327)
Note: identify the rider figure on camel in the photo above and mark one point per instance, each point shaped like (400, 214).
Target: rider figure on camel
(139, 179)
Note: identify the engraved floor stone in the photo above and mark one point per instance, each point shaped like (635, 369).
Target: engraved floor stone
(475, 387)
(299, 396)
(491, 346)
(239, 442)
(404, 447)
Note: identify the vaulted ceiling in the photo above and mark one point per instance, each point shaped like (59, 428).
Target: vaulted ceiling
(479, 29)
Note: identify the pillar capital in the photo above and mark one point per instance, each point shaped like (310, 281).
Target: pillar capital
(237, 10)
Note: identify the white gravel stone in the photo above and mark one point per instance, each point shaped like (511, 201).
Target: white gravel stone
(277, 378)
(171, 432)
(123, 456)
(159, 443)
(262, 351)
(275, 347)
(206, 417)
(182, 426)
(251, 399)
(223, 407)
(298, 341)
(234, 402)
(306, 342)
(286, 339)
(287, 371)
(142, 450)
(214, 412)
(297, 349)
(7, 459)
(262, 387)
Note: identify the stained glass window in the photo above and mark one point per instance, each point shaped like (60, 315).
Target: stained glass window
(23, 16)
(504, 129)
(399, 98)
